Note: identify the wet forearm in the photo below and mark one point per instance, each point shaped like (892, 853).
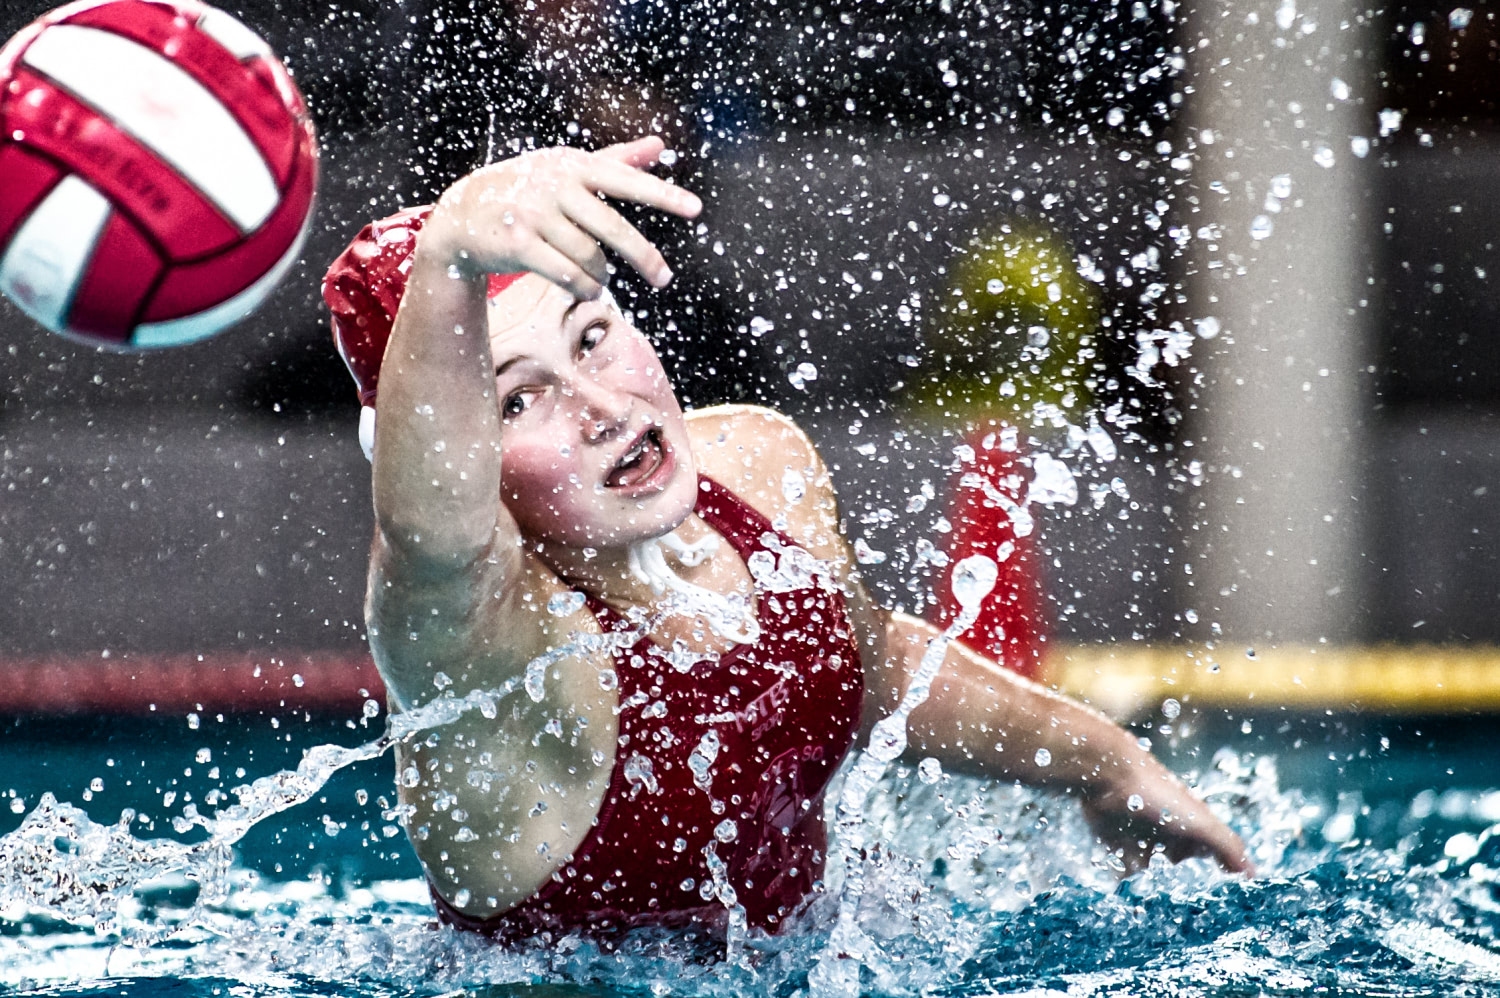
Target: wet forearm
(983, 719)
(437, 446)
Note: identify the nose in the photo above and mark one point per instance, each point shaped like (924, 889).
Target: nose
(604, 413)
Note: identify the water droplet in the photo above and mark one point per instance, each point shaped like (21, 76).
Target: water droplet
(1323, 156)
(1103, 446)
(565, 604)
(1052, 482)
(1135, 802)
(1390, 121)
(867, 555)
(1281, 186)
(941, 200)
(638, 770)
(17, 805)
(1359, 146)
(1170, 708)
(727, 831)
(1459, 18)
(702, 759)
(929, 770)
(793, 485)
(1115, 117)
(1260, 228)
(1339, 89)
(1043, 758)
(1207, 327)
(804, 373)
(973, 578)
(760, 326)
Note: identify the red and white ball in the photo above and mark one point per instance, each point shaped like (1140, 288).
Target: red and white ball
(157, 167)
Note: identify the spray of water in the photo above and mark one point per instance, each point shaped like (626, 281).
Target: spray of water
(837, 969)
(61, 861)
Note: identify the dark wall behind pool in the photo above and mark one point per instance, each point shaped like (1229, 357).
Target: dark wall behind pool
(213, 497)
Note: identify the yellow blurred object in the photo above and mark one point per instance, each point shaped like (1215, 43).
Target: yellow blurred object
(1130, 680)
(1014, 329)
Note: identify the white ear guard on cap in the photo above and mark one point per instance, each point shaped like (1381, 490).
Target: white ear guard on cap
(367, 431)
(367, 413)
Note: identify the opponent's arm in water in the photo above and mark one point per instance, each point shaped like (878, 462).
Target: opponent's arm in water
(981, 718)
(454, 600)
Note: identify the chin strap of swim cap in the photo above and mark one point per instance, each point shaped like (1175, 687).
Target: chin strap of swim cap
(730, 620)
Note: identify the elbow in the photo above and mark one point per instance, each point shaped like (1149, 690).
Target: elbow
(429, 550)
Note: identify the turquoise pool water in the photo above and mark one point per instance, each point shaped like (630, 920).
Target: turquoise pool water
(1378, 841)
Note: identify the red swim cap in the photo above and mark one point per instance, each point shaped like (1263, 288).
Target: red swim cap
(363, 289)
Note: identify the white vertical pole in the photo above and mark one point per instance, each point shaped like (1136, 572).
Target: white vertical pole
(1280, 261)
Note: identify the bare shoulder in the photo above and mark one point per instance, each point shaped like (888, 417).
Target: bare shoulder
(767, 460)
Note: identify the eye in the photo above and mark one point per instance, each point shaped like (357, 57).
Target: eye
(592, 337)
(516, 403)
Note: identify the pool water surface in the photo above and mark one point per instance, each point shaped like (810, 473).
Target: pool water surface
(1377, 842)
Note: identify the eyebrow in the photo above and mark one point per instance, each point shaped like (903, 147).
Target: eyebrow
(505, 365)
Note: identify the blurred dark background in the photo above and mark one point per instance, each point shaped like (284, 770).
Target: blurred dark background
(214, 497)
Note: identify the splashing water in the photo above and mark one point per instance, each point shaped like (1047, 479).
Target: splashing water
(61, 861)
(837, 970)
(967, 890)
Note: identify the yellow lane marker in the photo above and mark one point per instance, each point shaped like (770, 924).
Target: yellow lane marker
(1126, 680)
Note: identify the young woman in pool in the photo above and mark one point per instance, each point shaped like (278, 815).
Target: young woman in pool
(687, 710)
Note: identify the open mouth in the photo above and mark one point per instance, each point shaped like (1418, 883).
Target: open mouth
(641, 464)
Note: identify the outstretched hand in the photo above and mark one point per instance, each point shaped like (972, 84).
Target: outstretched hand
(1133, 817)
(543, 212)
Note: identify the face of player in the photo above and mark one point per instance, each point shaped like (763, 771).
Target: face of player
(594, 447)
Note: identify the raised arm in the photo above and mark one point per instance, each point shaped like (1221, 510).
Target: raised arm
(445, 544)
(437, 455)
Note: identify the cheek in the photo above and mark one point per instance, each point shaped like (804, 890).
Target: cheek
(639, 368)
(535, 469)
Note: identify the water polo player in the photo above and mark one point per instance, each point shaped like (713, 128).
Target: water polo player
(697, 649)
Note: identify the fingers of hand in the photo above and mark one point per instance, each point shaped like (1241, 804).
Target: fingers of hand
(618, 180)
(542, 258)
(578, 246)
(639, 153)
(606, 225)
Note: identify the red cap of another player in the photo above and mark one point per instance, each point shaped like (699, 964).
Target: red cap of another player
(363, 289)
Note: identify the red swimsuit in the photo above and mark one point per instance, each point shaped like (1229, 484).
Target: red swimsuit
(784, 710)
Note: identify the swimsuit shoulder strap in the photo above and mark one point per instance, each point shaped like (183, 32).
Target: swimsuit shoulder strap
(739, 522)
